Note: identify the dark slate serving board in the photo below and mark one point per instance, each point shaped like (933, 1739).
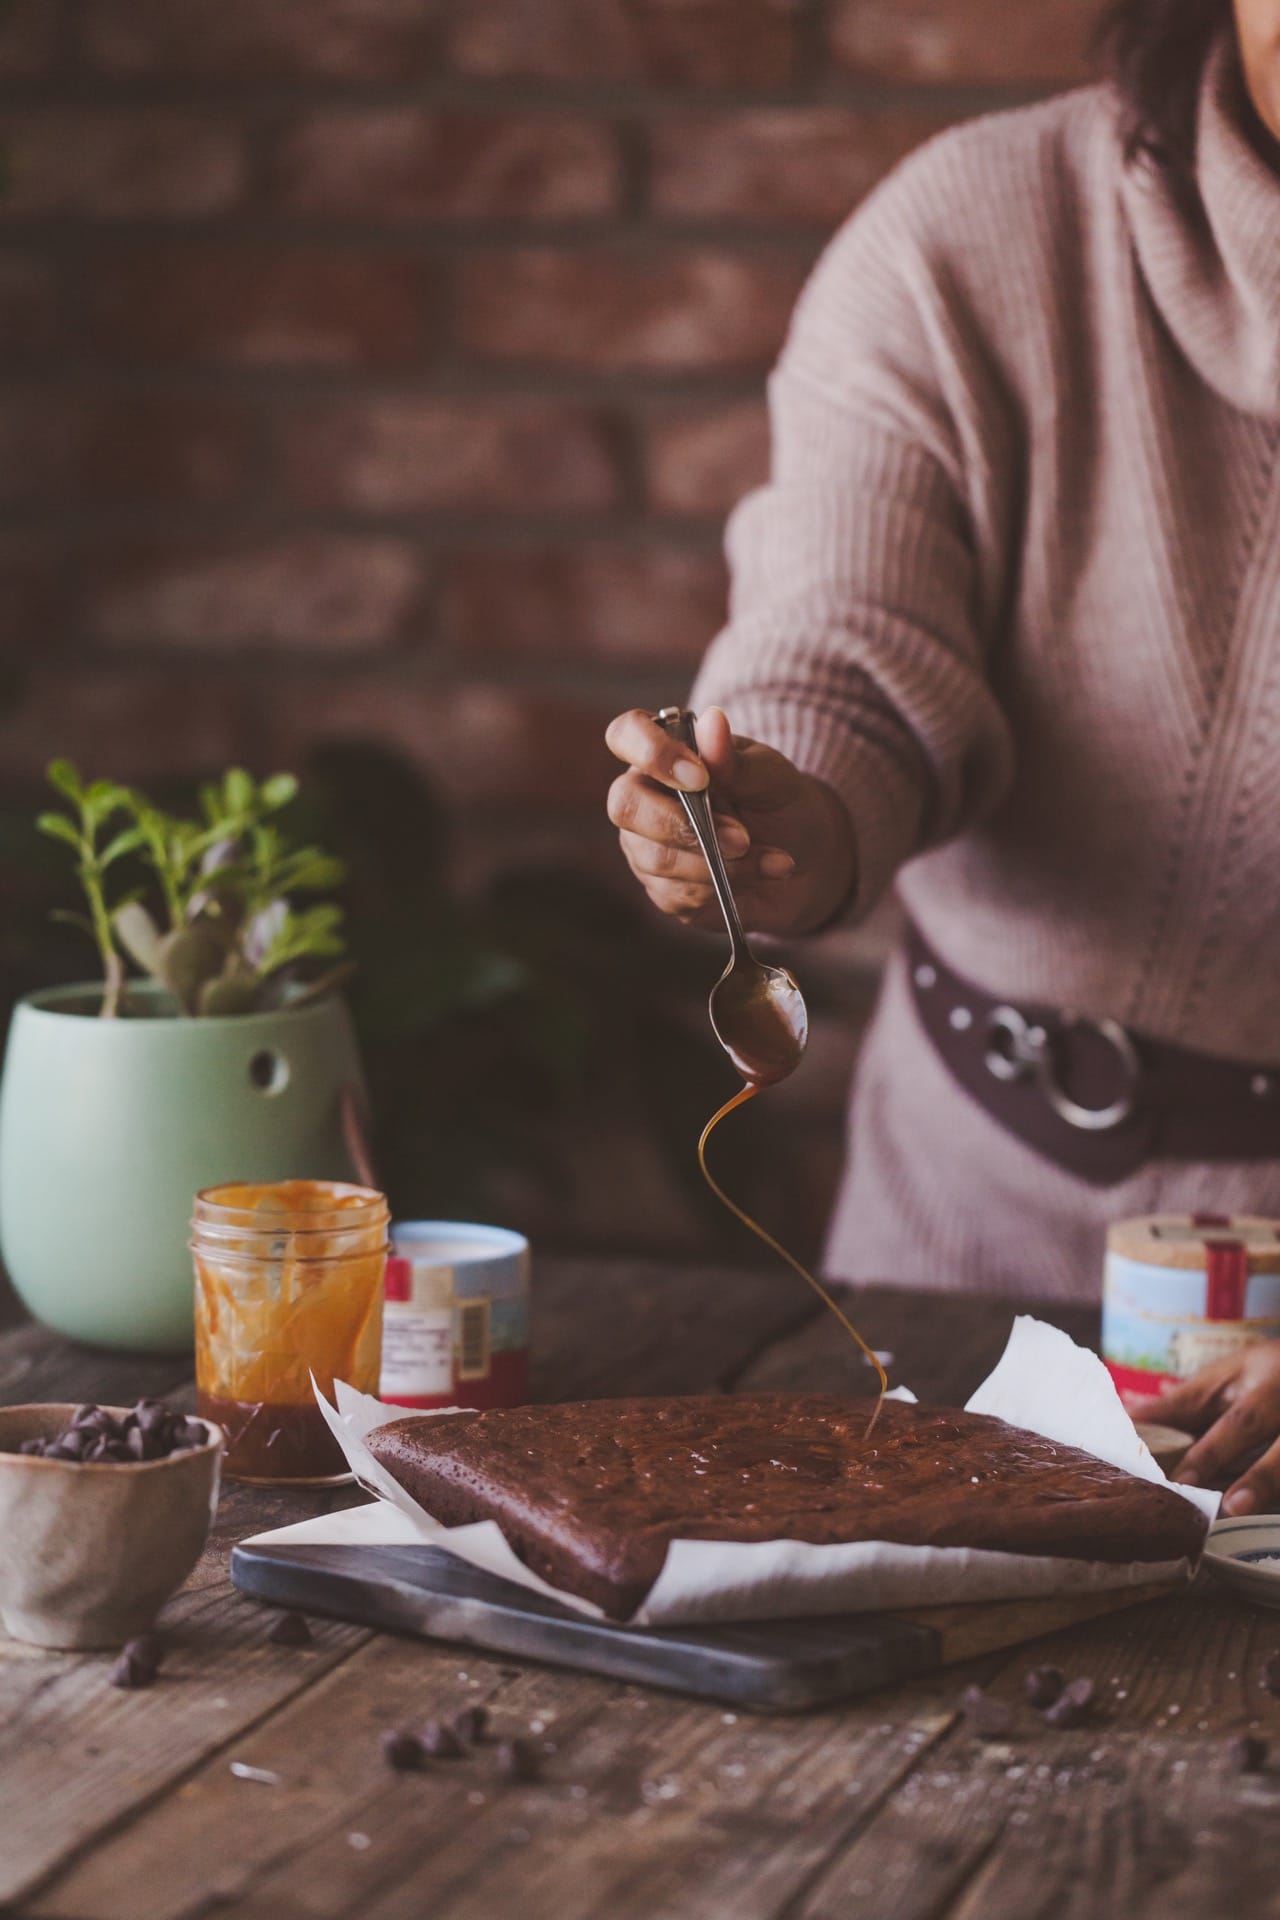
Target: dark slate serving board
(769, 1665)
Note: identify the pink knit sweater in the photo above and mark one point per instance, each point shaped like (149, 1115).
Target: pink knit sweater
(1014, 591)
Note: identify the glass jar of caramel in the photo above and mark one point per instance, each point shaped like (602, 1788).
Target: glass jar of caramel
(289, 1281)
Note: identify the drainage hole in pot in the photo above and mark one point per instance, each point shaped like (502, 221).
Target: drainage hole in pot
(269, 1071)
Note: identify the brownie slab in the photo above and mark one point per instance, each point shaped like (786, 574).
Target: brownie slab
(590, 1494)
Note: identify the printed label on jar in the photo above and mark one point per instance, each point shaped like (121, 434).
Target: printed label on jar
(456, 1324)
(417, 1352)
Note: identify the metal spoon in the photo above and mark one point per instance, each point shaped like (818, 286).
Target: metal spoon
(757, 1012)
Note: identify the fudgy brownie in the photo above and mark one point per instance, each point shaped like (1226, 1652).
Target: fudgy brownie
(591, 1494)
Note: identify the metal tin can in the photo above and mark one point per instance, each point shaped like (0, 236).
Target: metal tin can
(455, 1326)
(1181, 1290)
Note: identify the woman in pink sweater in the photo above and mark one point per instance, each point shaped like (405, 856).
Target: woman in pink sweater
(1005, 630)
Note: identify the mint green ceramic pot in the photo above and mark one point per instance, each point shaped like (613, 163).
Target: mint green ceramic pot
(108, 1128)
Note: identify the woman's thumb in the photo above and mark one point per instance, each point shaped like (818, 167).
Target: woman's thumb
(715, 744)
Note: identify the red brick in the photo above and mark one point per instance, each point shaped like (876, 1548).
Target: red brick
(781, 163)
(30, 311)
(486, 745)
(612, 603)
(143, 163)
(28, 38)
(262, 40)
(701, 462)
(310, 593)
(32, 594)
(126, 726)
(986, 42)
(258, 305)
(410, 165)
(705, 43)
(684, 308)
(67, 447)
(408, 454)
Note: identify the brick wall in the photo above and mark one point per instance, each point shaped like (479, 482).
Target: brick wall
(388, 367)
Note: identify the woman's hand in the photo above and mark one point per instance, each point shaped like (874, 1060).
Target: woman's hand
(786, 835)
(1234, 1406)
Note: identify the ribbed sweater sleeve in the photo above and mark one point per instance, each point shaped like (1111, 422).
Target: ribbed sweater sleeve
(856, 634)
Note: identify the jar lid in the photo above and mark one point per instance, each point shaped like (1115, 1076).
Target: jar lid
(1183, 1240)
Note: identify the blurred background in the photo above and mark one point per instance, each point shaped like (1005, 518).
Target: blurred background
(376, 378)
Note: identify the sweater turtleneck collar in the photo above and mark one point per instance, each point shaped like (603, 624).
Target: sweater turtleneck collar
(1210, 250)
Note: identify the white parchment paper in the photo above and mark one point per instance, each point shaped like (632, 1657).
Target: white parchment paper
(1043, 1382)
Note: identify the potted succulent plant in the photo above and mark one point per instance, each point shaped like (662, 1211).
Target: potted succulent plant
(231, 1057)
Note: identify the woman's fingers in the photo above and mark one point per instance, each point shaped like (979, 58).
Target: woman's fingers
(1245, 1426)
(637, 738)
(636, 806)
(1190, 1404)
(1258, 1490)
(716, 745)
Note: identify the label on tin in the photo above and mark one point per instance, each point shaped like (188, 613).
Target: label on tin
(1163, 1323)
(454, 1334)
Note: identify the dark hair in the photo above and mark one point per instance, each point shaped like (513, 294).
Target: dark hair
(1153, 52)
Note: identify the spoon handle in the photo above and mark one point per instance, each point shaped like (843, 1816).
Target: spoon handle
(679, 723)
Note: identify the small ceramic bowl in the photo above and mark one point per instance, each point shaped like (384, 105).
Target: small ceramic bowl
(1244, 1554)
(1168, 1445)
(91, 1552)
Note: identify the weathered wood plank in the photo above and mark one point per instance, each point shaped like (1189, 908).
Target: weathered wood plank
(77, 1755)
(608, 1327)
(37, 1365)
(639, 1787)
(1138, 1803)
(943, 1345)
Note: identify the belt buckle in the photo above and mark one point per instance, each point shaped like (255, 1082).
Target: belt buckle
(1016, 1048)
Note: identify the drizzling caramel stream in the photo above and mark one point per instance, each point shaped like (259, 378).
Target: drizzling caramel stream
(740, 1098)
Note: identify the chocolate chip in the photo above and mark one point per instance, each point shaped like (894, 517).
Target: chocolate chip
(1247, 1753)
(1043, 1685)
(290, 1630)
(130, 1673)
(150, 1431)
(440, 1741)
(401, 1750)
(1271, 1674)
(516, 1760)
(470, 1724)
(990, 1719)
(1071, 1708)
(145, 1650)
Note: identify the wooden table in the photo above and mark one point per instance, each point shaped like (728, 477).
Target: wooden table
(122, 1806)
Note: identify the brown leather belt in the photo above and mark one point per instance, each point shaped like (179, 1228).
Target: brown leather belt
(1089, 1094)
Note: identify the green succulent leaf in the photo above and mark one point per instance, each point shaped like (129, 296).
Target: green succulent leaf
(58, 827)
(278, 790)
(227, 995)
(139, 935)
(127, 842)
(186, 959)
(237, 791)
(62, 775)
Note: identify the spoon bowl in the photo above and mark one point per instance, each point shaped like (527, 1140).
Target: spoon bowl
(759, 1017)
